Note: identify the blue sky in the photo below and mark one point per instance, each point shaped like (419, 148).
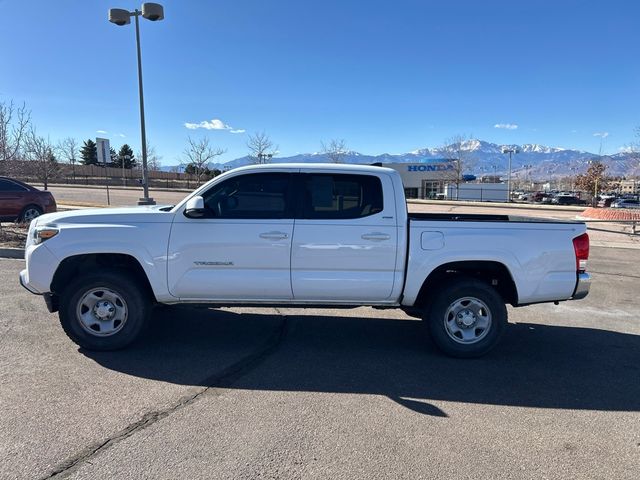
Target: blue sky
(385, 76)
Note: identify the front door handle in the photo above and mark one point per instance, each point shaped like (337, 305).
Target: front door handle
(376, 236)
(274, 235)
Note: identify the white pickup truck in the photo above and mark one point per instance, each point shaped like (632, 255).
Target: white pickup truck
(301, 235)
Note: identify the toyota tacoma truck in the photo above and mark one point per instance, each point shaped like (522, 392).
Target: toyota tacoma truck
(301, 235)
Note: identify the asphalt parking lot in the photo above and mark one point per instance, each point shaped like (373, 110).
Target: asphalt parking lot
(242, 393)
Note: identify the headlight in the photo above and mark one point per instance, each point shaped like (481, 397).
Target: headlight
(45, 232)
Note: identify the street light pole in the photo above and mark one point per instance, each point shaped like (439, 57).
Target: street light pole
(510, 151)
(119, 16)
(143, 133)
(527, 175)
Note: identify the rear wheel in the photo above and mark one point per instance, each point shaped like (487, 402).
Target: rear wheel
(104, 311)
(467, 318)
(29, 213)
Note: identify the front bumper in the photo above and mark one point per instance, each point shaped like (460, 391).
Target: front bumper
(25, 283)
(582, 286)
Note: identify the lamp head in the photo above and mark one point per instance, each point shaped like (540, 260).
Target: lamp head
(119, 16)
(152, 11)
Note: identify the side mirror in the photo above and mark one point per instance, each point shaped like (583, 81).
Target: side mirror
(195, 208)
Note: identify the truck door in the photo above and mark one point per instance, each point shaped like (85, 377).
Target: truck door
(241, 250)
(345, 238)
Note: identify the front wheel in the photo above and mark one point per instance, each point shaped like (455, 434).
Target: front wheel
(104, 311)
(466, 318)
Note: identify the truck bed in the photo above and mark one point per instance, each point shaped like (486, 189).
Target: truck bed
(482, 217)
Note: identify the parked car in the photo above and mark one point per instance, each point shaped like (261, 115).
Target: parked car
(625, 203)
(526, 197)
(540, 196)
(298, 235)
(606, 201)
(567, 200)
(22, 202)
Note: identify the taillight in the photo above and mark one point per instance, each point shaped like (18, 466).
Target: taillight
(581, 247)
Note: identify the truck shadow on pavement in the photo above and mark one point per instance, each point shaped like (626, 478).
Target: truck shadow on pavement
(535, 366)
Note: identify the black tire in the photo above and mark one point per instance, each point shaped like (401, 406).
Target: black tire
(474, 297)
(26, 211)
(135, 298)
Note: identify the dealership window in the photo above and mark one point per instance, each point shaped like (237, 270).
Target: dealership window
(431, 189)
(411, 192)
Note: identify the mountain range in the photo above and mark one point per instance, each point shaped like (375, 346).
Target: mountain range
(484, 158)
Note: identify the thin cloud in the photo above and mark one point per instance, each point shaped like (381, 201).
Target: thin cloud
(239, 130)
(101, 131)
(214, 124)
(601, 134)
(506, 126)
(122, 135)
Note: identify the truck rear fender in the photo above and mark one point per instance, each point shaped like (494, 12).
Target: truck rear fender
(493, 273)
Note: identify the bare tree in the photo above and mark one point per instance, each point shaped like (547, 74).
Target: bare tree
(14, 123)
(67, 150)
(153, 159)
(261, 148)
(335, 150)
(634, 155)
(42, 161)
(198, 154)
(456, 150)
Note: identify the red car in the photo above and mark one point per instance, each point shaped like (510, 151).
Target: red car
(22, 202)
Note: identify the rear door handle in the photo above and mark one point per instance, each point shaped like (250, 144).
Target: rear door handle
(376, 236)
(274, 235)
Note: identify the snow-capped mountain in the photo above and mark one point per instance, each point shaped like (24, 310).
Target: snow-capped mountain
(480, 157)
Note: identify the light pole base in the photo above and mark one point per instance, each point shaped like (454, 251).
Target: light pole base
(146, 201)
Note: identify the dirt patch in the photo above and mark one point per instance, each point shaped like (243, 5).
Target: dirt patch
(13, 235)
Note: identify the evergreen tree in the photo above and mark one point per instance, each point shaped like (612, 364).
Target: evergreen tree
(114, 158)
(89, 153)
(125, 155)
(193, 169)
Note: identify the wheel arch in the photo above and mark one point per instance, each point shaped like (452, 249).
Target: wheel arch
(493, 273)
(74, 265)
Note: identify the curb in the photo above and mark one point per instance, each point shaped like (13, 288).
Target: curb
(628, 246)
(12, 253)
(79, 206)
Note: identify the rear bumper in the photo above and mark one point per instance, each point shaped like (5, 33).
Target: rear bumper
(582, 286)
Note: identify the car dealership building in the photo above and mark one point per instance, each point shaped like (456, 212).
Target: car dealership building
(425, 179)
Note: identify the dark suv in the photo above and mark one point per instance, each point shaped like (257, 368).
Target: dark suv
(567, 200)
(22, 202)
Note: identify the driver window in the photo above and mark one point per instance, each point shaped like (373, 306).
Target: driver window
(255, 195)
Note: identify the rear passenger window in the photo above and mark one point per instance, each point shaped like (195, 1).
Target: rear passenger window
(337, 196)
(9, 186)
